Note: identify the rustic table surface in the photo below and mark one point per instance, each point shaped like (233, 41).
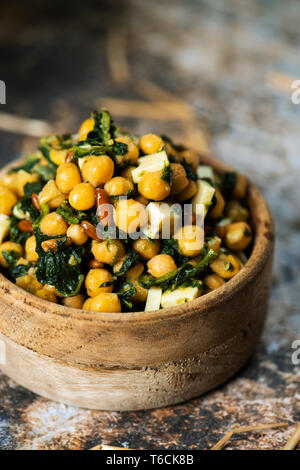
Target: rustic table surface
(216, 75)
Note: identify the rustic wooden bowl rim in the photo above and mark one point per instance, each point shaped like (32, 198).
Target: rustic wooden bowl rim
(260, 253)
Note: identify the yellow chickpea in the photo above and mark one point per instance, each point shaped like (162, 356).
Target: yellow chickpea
(146, 248)
(191, 158)
(219, 206)
(152, 186)
(151, 143)
(160, 265)
(46, 295)
(141, 293)
(236, 212)
(226, 266)
(241, 186)
(189, 192)
(30, 249)
(67, 177)
(7, 200)
(127, 173)
(86, 127)
(23, 177)
(10, 181)
(98, 170)
(214, 244)
(94, 280)
(238, 236)
(190, 240)
(179, 179)
(9, 246)
(54, 224)
(132, 153)
(118, 186)
(105, 302)
(58, 156)
(130, 215)
(77, 234)
(108, 251)
(74, 302)
(82, 197)
(57, 201)
(213, 281)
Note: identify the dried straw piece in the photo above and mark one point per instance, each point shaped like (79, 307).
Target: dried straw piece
(257, 427)
(104, 447)
(116, 50)
(19, 125)
(293, 440)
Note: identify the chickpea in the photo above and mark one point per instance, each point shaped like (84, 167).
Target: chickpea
(141, 293)
(238, 236)
(23, 177)
(217, 210)
(130, 215)
(152, 186)
(241, 186)
(82, 197)
(236, 212)
(213, 281)
(146, 248)
(74, 302)
(160, 265)
(127, 173)
(191, 158)
(179, 179)
(77, 234)
(190, 240)
(132, 153)
(98, 170)
(118, 186)
(10, 181)
(108, 251)
(54, 224)
(151, 143)
(58, 156)
(30, 249)
(105, 302)
(9, 246)
(189, 192)
(171, 150)
(214, 244)
(94, 280)
(226, 266)
(67, 177)
(46, 295)
(134, 273)
(57, 201)
(7, 200)
(86, 127)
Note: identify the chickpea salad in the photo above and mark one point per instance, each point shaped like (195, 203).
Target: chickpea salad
(104, 221)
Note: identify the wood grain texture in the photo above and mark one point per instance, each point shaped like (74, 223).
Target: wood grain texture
(144, 359)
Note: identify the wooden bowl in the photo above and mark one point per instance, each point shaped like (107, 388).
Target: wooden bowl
(139, 360)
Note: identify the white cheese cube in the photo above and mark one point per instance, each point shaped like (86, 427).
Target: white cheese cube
(205, 171)
(149, 164)
(153, 299)
(179, 296)
(203, 197)
(4, 226)
(162, 218)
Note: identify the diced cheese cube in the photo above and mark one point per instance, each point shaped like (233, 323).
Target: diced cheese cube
(49, 191)
(4, 226)
(153, 299)
(162, 218)
(203, 197)
(205, 171)
(149, 164)
(179, 296)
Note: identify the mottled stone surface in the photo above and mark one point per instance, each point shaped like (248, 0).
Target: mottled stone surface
(233, 63)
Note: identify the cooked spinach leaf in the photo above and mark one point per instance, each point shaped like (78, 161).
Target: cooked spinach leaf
(191, 175)
(229, 180)
(132, 258)
(69, 214)
(171, 247)
(29, 163)
(167, 174)
(31, 188)
(126, 293)
(12, 257)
